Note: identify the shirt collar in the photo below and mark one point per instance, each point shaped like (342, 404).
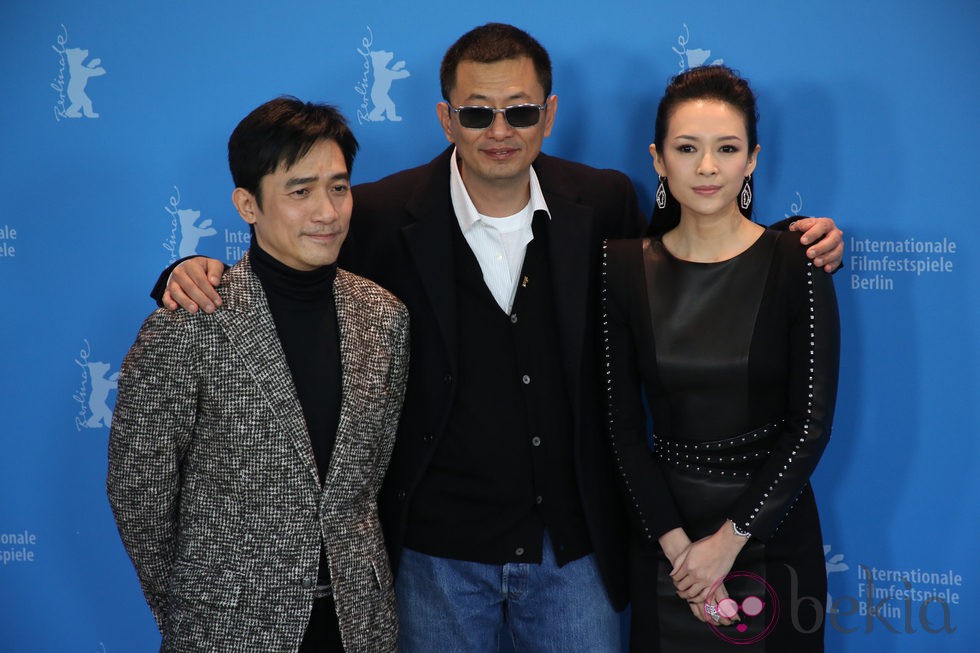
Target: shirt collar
(466, 212)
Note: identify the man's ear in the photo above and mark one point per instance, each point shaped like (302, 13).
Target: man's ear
(445, 119)
(551, 110)
(246, 204)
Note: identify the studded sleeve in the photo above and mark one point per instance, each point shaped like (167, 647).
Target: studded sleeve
(814, 350)
(623, 304)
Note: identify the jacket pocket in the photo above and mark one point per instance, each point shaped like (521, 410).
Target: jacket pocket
(382, 575)
(196, 583)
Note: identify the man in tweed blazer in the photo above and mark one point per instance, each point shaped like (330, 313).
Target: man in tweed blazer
(236, 523)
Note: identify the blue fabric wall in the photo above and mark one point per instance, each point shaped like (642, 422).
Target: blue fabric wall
(869, 115)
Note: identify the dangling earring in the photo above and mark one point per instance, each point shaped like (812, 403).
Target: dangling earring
(661, 193)
(745, 199)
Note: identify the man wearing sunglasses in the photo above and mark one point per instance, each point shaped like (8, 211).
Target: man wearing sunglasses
(501, 510)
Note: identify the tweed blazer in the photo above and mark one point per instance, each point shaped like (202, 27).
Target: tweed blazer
(213, 482)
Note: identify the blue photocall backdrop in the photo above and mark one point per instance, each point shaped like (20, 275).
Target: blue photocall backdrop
(114, 122)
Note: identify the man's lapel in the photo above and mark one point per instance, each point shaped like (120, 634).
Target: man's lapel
(570, 244)
(247, 322)
(429, 240)
(355, 382)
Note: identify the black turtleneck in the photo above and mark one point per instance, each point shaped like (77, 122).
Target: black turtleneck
(303, 310)
(306, 320)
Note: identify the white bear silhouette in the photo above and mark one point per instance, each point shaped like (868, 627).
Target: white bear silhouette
(383, 76)
(79, 75)
(191, 235)
(101, 385)
(698, 57)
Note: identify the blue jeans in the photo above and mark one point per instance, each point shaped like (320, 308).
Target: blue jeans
(449, 605)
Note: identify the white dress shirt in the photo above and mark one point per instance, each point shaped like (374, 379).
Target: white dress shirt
(498, 243)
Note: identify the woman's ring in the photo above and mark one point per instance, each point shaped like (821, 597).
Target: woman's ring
(712, 610)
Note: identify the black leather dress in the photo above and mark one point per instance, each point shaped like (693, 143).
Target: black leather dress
(737, 362)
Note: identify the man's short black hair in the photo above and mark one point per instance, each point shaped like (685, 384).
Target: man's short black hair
(491, 43)
(281, 132)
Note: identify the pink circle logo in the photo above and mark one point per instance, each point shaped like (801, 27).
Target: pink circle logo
(752, 623)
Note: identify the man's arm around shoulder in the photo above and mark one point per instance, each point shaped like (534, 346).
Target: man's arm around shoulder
(823, 240)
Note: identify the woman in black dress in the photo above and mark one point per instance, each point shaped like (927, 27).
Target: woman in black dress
(732, 338)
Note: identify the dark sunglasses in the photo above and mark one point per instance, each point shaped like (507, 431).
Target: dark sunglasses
(517, 115)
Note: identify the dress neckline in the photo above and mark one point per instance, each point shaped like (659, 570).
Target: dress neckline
(753, 245)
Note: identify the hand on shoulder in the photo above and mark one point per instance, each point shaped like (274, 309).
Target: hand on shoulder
(192, 285)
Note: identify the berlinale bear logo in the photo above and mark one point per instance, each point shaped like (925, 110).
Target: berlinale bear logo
(73, 100)
(376, 63)
(692, 57)
(185, 230)
(93, 394)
